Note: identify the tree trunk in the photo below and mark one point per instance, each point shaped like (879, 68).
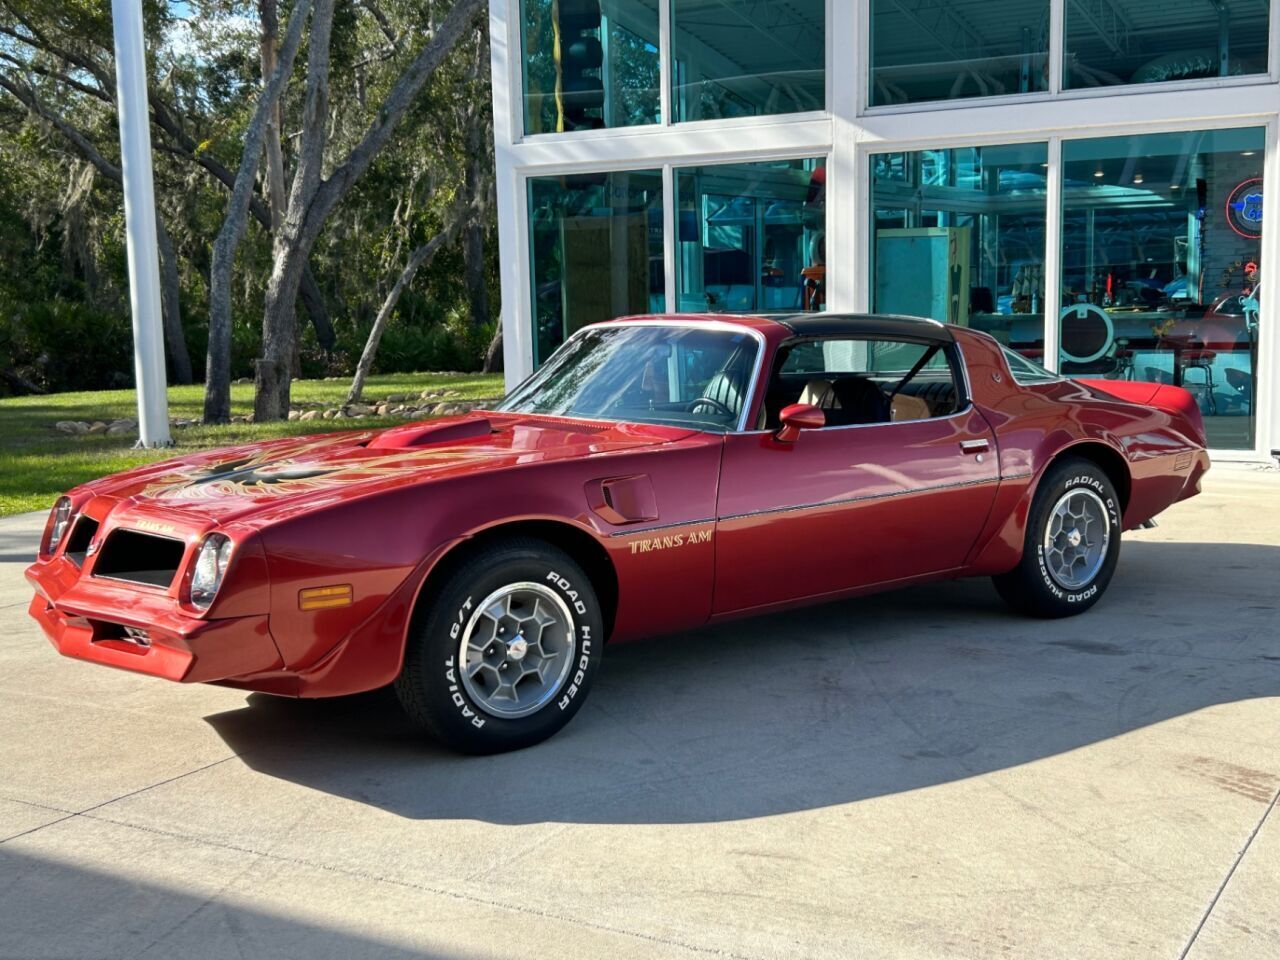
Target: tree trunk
(171, 307)
(217, 392)
(475, 183)
(417, 259)
(474, 275)
(293, 243)
(312, 199)
(317, 310)
(279, 332)
(493, 356)
(269, 23)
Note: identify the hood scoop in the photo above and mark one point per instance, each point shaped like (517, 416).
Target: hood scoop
(414, 435)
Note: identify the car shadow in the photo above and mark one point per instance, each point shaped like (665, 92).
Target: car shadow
(821, 706)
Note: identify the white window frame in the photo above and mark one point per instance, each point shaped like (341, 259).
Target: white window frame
(848, 133)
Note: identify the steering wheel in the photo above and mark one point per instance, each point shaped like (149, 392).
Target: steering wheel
(715, 404)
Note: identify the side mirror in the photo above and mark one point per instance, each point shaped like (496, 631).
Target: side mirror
(797, 417)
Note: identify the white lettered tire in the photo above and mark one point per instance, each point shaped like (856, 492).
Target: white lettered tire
(503, 654)
(1072, 542)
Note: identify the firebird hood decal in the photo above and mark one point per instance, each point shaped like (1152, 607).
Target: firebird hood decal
(300, 468)
(226, 483)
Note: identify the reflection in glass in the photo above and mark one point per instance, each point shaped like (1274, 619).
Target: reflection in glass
(958, 236)
(950, 49)
(1135, 41)
(751, 237)
(682, 376)
(739, 59)
(1161, 246)
(606, 71)
(596, 247)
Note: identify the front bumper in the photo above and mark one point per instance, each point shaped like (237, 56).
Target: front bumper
(86, 619)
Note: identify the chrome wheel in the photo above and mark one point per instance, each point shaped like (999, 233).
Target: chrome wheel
(1076, 538)
(517, 649)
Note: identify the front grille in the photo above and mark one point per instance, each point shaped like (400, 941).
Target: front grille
(140, 558)
(82, 535)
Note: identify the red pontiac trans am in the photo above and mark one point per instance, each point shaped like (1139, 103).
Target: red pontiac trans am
(655, 474)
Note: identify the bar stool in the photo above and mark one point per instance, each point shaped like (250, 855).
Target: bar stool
(1201, 358)
(1123, 357)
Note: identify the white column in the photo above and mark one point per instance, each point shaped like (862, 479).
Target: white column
(508, 122)
(140, 224)
(845, 213)
(1267, 401)
(1052, 302)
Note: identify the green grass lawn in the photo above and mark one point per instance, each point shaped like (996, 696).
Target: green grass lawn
(37, 462)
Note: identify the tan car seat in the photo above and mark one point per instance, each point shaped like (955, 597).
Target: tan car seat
(907, 407)
(821, 394)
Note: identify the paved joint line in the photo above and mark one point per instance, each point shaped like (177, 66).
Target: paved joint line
(1227, 879)
(124, 796)
(424, 888)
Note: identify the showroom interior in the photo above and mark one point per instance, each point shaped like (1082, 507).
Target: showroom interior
(1082, 179)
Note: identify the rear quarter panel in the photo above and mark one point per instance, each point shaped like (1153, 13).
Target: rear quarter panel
(1034, 425)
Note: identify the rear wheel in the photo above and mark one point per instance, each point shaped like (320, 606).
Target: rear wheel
(505, 654)
(1072, 543)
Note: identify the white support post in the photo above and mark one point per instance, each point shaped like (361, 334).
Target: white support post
(1052, 302)
(513, 246)
(670, 240)
(140, 224)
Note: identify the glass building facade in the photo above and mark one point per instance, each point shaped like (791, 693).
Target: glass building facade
(1082, 180)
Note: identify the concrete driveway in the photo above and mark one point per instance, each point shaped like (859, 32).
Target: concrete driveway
(921, 774)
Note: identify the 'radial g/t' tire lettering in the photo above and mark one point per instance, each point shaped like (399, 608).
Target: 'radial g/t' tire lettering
(505, 651)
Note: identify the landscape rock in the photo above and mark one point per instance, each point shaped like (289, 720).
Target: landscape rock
(295, 414)
(310, 415)
(98, 428)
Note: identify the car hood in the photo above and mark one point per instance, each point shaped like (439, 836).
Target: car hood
(298, 474)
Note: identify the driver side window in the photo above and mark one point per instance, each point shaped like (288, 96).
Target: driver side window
(863, 380)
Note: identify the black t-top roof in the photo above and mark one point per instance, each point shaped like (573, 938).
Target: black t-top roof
(865, 325)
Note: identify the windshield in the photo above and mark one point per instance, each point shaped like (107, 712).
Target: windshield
(681, 376)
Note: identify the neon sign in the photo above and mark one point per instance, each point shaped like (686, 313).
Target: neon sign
(1244, 209)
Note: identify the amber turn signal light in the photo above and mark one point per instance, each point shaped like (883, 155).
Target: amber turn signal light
(322, 598)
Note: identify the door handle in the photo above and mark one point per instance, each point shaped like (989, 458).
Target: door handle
(974, 446)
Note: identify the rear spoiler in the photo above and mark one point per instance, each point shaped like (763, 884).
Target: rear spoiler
(1162, 396)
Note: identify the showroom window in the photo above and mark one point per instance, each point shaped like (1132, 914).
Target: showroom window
(604, 72)
(595, 249)
(751, 237)
(1161, 256)
(939, 50)
(1135, 41)
(958, 235)
(738, 59)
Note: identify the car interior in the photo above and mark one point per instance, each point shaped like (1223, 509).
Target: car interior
(862, 382)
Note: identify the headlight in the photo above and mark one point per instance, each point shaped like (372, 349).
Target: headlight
(211, 564)
(58, 523)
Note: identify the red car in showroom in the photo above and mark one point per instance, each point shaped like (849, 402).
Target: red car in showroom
(655, 474)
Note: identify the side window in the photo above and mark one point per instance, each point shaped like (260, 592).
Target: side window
(1025, 371)
(861, 380)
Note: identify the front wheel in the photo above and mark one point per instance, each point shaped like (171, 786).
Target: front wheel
(505, 653)
(1072, 543)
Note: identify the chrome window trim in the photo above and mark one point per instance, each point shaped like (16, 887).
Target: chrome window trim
(1050, 376)
(725, 325)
